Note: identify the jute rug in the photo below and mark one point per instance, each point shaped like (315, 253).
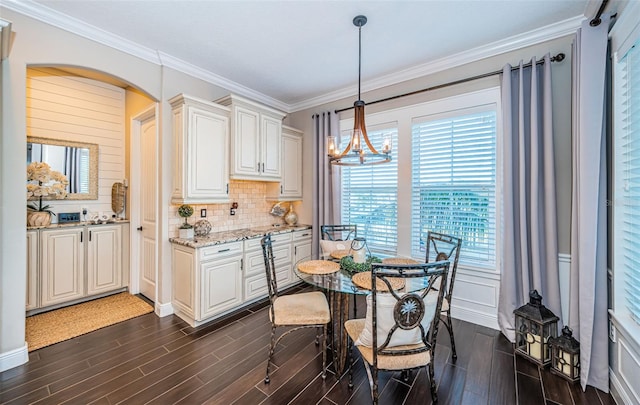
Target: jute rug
(66, 323)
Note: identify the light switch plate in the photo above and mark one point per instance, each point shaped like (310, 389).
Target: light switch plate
(203, 213)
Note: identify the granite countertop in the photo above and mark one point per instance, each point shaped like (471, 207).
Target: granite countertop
(216, 238)
(80, 223)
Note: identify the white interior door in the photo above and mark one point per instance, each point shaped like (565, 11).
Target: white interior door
(148, 208)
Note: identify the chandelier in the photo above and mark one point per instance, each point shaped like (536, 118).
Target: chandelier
(356, 154)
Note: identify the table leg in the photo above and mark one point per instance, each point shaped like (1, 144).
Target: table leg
(339, 303)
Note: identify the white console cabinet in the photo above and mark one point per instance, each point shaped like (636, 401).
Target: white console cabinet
(201, 151)
(68, 264)
(256, 132)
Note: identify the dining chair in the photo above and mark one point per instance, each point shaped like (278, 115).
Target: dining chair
(294, 311)
(400, 329)
(445, 247)
(338, 232)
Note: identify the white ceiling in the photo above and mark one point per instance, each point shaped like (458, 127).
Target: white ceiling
(298, 52)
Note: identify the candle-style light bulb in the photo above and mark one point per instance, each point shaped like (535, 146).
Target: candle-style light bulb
(386, 144)
(331, 145)
(355, 141)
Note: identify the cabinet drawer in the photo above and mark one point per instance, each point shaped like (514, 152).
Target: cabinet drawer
(254, 261)
(224, 249)
(256, 286)
(276, 240)
(302, 235)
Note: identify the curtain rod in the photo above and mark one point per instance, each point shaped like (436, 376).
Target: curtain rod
(596, 20)
(558, 58)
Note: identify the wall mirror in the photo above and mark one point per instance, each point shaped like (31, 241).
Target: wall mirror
(76, 160)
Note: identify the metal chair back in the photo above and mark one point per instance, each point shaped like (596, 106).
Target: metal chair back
(338, 232)
(444, 247)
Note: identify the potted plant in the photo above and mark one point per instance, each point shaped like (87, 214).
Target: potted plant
(43, 183)
(186, 229)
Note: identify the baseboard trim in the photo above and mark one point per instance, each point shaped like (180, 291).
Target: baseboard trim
(617, 390)
(163, 310)
(476, 317)
(14, 358)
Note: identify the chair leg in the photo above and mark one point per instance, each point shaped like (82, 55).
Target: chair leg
(318, 336)
(350, 360)
(374, 387)
(449, 324)
(434, 393)
(324, 351)
(404, 375)
(271, 349)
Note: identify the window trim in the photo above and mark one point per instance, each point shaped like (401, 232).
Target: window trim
(404, 116)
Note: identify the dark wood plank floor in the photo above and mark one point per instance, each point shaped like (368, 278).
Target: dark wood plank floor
(151, 360)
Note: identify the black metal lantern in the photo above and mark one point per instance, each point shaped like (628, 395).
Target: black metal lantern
(565, 355)
(535, 325)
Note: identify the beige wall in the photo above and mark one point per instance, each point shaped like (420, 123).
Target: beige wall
(561, 120)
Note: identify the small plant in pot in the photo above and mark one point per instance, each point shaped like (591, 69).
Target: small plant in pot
(186, 229)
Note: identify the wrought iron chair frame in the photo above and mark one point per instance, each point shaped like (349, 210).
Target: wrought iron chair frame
(267, 251)
(328, 232)
(437, 273)
(436, 241)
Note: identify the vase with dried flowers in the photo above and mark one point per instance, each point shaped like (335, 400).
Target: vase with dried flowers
(43, 183)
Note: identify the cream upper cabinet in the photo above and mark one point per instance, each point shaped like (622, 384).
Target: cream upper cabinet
(201, 151)
(104, 259)
(256, 131)
(290, 187)
(62, 265)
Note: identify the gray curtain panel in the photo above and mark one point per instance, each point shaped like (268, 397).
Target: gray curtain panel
(588, 314)
(529, 241)
(326, 180)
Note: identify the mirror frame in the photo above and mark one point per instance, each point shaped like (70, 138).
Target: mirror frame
(93, 164)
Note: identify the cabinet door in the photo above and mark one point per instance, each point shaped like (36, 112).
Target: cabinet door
(291, 185)
(301, 250)
(208, 167)
(246, 143)
(221, 287)
(62, 265)
(32, 270)
(271, 147)
(104, 259)
(184, 280)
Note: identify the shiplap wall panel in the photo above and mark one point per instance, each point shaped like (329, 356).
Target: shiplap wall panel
(66, 107)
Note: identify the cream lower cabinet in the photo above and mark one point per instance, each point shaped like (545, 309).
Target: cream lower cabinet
(255, 276)
(104, 259)
(301, 245)
(206, 281)
(62, 265)
(66, 265)
(32, 270)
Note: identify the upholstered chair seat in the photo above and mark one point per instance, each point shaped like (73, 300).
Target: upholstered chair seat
(301, 309)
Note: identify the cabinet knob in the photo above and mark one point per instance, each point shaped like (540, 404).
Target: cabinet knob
(139, 228)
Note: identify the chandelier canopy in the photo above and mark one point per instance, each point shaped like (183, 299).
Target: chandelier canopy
(356, 153)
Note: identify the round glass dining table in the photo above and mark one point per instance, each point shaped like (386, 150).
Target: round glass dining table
(340, 288)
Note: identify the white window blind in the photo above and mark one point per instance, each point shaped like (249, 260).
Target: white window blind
(370, 193)
(627, 169)
(454, 182)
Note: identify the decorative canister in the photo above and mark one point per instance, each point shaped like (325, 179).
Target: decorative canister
(291, 218)
(202, 227)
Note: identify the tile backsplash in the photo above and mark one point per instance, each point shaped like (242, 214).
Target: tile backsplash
(253, 210)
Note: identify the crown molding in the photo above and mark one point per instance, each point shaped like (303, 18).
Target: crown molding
(78, 27)
(236, 88)
(81, 28)
(549, 32)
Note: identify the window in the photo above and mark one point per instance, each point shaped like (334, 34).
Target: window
(454, 182)
(370, 194)
(627, 185)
